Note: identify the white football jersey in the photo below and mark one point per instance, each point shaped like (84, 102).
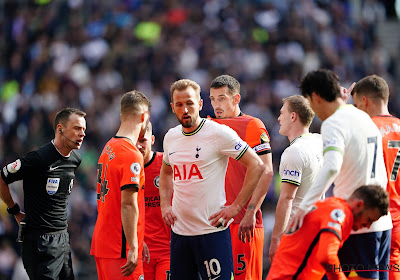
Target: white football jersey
(199, 161)
(300, 163)
(352, 132)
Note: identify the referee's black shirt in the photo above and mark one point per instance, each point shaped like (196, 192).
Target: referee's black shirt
(47, 182)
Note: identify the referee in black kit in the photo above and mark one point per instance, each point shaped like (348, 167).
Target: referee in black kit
(48, 176)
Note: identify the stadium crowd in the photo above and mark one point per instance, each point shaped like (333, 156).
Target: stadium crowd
(86, 54)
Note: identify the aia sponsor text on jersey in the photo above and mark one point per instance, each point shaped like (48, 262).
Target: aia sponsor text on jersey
(186, 172)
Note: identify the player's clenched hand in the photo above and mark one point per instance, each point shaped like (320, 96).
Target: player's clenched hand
(246, 227)
(131, 262)
(168, 216)
(222, 217)
(296, 221)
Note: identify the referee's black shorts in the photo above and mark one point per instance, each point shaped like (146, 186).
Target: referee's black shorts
(47, 255)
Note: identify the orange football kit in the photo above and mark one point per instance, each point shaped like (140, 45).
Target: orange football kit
(389, 127)
(311, 252)
(247, 257)
(120, 167)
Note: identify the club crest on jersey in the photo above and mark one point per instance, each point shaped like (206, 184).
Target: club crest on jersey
(52, 185)
(338, 215)
(157, 181)
(14, 166)
(135, 168)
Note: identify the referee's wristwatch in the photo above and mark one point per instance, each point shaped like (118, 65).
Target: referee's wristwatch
(14, 210)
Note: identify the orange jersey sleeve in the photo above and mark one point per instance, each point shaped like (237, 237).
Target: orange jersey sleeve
(297, 252)
(327, 255)
(389, 127)
(157, 233)
(120, 166)
(254, 133)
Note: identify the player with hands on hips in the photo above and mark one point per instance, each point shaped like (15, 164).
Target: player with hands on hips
(196, 154)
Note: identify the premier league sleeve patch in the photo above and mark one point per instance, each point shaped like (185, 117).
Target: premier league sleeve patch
(135, 168)
(338, 215)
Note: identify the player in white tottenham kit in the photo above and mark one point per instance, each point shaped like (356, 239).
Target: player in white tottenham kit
(299, 164)
(353, 156)
(195, 160)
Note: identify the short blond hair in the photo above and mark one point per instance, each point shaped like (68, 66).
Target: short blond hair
(300, 105)
(183, 84)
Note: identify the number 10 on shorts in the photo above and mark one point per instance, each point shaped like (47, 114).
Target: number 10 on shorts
(213, 268)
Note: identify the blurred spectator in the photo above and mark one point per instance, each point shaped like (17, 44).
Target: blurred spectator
(86, 54)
